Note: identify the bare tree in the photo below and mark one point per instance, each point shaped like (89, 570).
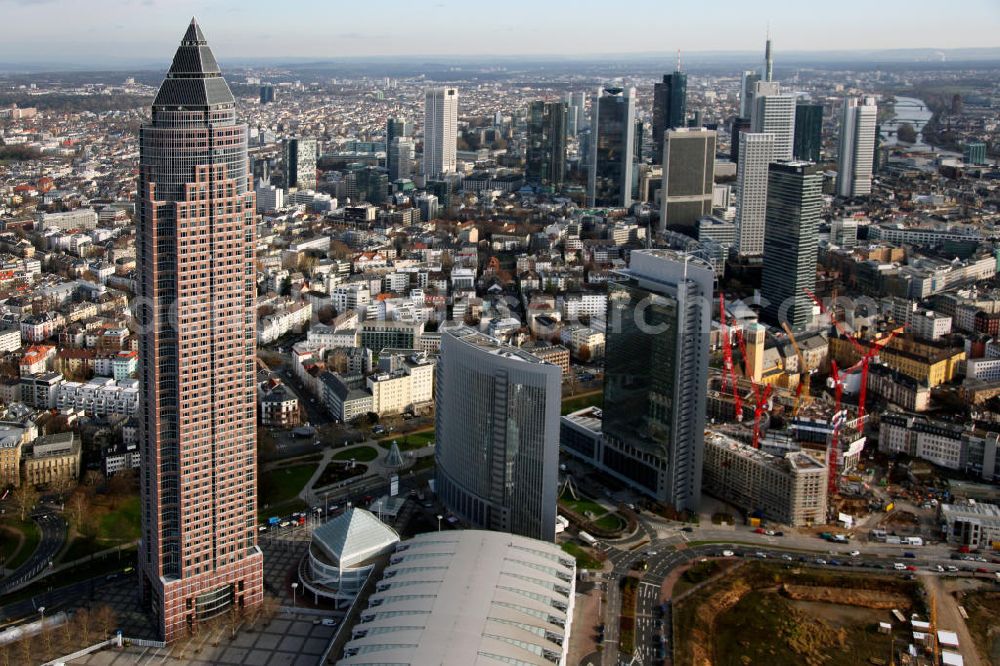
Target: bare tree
(24, 497)
(77, 509)
(234, 618)
(24, 649)
(106, 619)
(84, 624)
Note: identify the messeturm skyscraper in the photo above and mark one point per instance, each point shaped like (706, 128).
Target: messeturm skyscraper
(198, 554)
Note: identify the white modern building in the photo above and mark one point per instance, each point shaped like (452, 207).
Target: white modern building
(756, 152)
(774, 113)
(857, 147)
(101, 396)
(440, 131)
(468, 598)
(343, 553)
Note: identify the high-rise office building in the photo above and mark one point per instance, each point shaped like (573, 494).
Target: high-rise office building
(974, 153)
(300, 163)
(656, 369)
(266, 93)
(546, 150)
(579, 100)
(748, 85)
(856, 155)
(791, 241)
(198, 553)
(440, 131)
(808, 132)
(612, 136)
(497, 434)
(688, 177)
(399, 158)
(739, 126)
(756, 151)
(397, 127)
(774, 113)
(669, 109)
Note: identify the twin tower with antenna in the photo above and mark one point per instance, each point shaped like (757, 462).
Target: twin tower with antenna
(768, 73)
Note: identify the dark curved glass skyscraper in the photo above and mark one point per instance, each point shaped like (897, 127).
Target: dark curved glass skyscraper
(198, 555)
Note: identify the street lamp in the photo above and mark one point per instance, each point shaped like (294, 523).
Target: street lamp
(439, 522)
(294, 587)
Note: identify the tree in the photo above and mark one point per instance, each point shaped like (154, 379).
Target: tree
(83, 624)
(234, 618)
(106, 619)
(24, 648)
(906, 133)
(77, 509)
(24, 497)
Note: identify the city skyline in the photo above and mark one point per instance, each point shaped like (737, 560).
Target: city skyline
(362, 31)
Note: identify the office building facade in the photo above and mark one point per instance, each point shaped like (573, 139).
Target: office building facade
(656, 369)
(808, 132)
(440, 131)
(669, 109)
(300, 163)
(546, 150)
(397, 127)
(198, 553)
(399, 158)
(612, 135)
(497, 430)
(688, 177)
(748, 86)
(266, 93)
(774, 113)
(856, 155)
(974, 153)
(756, 152)
(791, 241)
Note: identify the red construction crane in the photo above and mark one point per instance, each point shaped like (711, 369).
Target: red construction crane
(865, 355)
(760, 397)
(728, 371)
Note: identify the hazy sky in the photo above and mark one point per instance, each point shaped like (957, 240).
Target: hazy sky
(148, 30)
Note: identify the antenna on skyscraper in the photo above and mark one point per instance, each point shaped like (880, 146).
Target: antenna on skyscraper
(768, 63)
(678, 60)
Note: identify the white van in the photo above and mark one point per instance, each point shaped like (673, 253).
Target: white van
(899, 566)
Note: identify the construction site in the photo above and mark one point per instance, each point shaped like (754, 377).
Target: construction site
(763, 393)
(819, 617)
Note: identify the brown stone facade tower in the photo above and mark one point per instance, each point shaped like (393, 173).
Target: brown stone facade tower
(198, 555)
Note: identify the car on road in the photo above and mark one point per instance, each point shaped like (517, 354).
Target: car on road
(786, 557)
(759, 530)
(938, 568)
(899, 566)
(779, 533)
(952, 569)
(329, 622)
(982, 570)
(820, 560)
(855, 553)
(687, 529)
(910, 567)
(728, 553)
(761, 555)
(911, 556)
(771, 533)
